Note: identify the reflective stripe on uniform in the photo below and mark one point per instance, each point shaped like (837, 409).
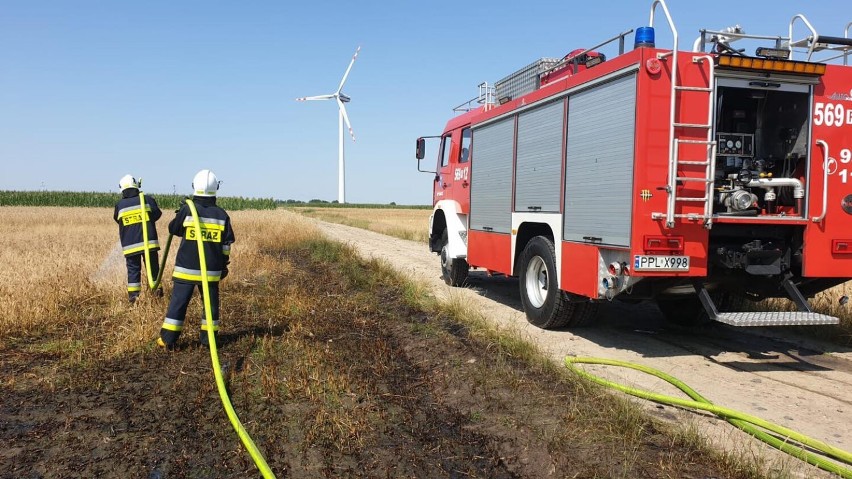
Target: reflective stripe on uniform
(195, 274)
(131, 210)
(133, 287)
(137, 247)
(226, 249)
(204, 326)
(173, 324)
(211, 223)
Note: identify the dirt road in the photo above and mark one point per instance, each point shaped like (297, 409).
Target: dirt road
(792, 381)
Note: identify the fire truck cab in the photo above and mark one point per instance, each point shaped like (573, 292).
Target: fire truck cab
(705, 180)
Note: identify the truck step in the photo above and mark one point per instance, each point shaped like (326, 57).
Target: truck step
(775, 318)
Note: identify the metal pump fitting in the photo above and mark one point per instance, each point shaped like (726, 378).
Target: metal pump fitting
(611, 282)
(769, 183)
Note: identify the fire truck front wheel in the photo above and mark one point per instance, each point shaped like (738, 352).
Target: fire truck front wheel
(453, 270)
(545, 305)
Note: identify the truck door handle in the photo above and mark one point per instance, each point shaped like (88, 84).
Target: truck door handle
(824, 145)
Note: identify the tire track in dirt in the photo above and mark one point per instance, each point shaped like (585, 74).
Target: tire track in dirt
(771, 374)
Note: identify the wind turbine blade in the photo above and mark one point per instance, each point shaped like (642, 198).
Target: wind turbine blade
(346, 118)
(345, 75)
(318, 97)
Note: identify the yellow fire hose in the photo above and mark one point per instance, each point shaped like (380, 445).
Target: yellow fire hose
(214, 355)
(781, 439)
(152, 283)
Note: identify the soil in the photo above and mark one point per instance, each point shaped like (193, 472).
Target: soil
(779, 375)
(393, 391)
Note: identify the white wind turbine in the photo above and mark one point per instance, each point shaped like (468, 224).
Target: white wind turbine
(342, 116)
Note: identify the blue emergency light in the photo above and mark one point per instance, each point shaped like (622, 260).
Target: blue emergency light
(644, 37)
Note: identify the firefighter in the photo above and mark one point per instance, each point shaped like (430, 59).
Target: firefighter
(217, 237)
(130, 218)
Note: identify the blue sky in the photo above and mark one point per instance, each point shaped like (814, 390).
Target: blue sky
(92, 90)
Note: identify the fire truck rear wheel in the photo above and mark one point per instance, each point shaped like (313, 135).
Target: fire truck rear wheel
(545, 305)
(453, 270)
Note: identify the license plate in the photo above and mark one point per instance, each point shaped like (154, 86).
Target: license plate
(660, 263)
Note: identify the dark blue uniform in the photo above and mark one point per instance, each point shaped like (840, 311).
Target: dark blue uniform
(130, 218)
(217, 237)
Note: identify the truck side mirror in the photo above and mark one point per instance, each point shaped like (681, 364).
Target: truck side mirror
(420, 151)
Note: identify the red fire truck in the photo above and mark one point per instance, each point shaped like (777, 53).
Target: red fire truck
(699, 179)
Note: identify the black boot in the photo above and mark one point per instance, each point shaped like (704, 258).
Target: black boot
(165, 345)
(204, 340)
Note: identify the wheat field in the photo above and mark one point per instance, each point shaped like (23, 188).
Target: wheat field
(61, 260)
(409, 224)
(63, 268)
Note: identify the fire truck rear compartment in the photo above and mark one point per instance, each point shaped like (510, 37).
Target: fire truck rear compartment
(762, 137)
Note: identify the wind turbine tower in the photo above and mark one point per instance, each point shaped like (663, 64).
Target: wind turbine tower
(342, 116)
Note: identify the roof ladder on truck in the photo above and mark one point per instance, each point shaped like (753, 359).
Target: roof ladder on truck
(675, 141)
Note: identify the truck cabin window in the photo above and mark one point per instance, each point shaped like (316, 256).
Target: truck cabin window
(446, 146)
(465, 146)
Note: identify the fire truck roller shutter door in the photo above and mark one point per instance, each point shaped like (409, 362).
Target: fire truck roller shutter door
(539, 158)
(599, 163)
(491, 177)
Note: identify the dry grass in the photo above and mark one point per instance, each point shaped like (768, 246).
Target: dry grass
(52, 255)
(59, 259)
(63, 293)
(828, 302)
(409, 224)
(615, 420)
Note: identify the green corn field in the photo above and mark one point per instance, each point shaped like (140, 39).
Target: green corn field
(107, 200)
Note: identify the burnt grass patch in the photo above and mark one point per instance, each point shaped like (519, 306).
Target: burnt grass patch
(335, 371)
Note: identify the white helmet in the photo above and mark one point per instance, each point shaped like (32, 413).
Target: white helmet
(128, 181)
(205, 183)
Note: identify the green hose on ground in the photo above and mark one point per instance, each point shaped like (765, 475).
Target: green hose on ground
(152, 283)
(259, 461)
(741, 420)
